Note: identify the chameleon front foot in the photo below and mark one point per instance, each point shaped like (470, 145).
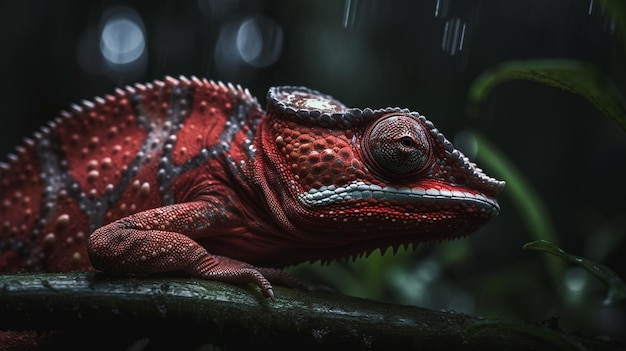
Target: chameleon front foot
(232, 271)
(118, 248)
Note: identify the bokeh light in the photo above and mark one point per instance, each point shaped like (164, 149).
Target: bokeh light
(122, 40)
(117, 46)
(254, 41)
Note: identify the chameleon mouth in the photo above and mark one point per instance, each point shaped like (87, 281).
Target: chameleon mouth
(361, 191)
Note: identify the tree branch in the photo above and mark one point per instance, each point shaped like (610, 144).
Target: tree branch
(188, 312)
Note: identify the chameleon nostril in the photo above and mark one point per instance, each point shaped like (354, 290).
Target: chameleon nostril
(460, 180)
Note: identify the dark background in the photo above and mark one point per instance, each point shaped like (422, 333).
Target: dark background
(370, 53)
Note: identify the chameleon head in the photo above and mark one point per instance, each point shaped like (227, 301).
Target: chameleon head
(366, 178)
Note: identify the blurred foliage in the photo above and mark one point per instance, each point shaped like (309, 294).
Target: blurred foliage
(571, 75)
(602, 91)
(368, 277)
(529, 204)
(617, 287)
(360, 276)
(576, 76)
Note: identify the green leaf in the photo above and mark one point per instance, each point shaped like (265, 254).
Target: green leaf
(617, 287)
(575, 76)
(523, 195)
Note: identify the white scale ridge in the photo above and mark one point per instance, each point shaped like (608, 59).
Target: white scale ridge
(363, 191)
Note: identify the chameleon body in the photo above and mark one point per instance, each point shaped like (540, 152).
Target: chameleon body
(192, 175)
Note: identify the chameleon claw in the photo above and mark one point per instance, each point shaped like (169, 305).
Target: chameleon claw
(269, 293)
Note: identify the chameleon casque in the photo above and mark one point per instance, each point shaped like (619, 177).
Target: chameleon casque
(192, 175)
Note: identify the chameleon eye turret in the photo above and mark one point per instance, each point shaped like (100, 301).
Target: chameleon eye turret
(397, 146)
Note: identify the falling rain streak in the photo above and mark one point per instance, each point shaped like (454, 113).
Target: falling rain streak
(349, 13)
(442, 8)
(600, 11)
(453, 36)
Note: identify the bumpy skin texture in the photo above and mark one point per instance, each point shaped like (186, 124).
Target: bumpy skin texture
(192, 175)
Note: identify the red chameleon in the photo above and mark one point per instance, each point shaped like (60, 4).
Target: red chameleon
(192, 175)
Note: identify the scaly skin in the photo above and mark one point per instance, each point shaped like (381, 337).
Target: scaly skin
(191, 175)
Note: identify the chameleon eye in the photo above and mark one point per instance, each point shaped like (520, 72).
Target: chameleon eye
(397, 146)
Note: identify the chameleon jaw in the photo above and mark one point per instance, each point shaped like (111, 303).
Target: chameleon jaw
(363, 192)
